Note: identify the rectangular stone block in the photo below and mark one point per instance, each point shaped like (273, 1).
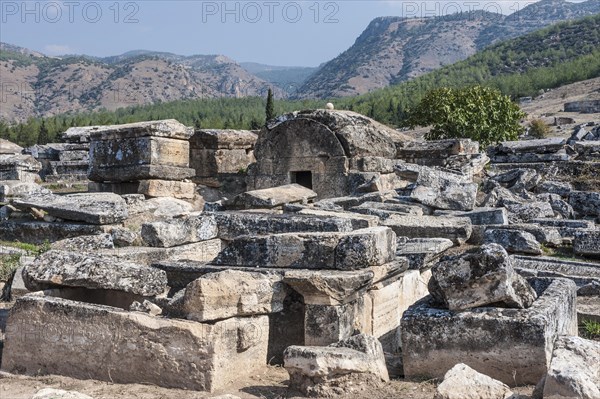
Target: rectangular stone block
(456, 229)
(58, 336)
(204, 251)
(223, 139)
(142, 172)
(510, 345)
(479, 216)
(274, 197)
(587, 243)
(341, 251)
(211, 163)
(35, 232)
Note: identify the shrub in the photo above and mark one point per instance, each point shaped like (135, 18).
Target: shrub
(539, 129)
(479, 113)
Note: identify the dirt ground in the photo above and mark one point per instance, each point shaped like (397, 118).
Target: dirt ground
(270, 383)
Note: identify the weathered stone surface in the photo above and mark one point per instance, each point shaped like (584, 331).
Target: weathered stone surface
(574, 371)
(585, 203)
(324, 371)
(123, 237)
(140, 172)
(342, 251)
(35, 232)
(547, 235)
(456, 229)
(580, 272)
(514, 241)
(97, 208)
(232, 293)
(555, 187)
(562, 209)
(422, 252)
(51, 393)
(358, 221)
(84, 243)
(167, 128)
(125, 340)
(274, 197)
(524, 213)
(510, 345)
(165, 188)
(11, 189)
(169, 233)
(168, 207)
(479, 216)
(438, 192)
(540, 146)
(384, 209)
(226, 139)
(462, 382)
(330, 287)
(203, 251)
(426, 152)
(70, 269)
(566, 228)
(19, 167)
(518, 180)
(587, 242)
(9, 148)
(234, 224)
(479, 278)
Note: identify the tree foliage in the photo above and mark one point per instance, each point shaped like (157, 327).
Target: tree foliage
(479, 113)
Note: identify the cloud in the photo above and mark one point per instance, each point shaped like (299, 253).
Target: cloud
(58, 49)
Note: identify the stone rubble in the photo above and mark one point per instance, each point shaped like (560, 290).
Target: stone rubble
(364, 252)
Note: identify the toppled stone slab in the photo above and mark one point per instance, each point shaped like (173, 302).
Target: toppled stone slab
(38, 232)
(574, 371)
(547, 235)
(358, 221)
(10, 189)
(203, 251)
(24, 168)
(342, 251)
(125, 340)
(479, 278)
(510, 345)
(274, 197)
(96, 208)
(186, 230)
(232, 293)
(540, 146)
(150, 188)
(234, 224)
(581, 273)
(514, 241)
(435, 191)
(518, 180)
(456, 229)
(586, 203)
(385, 208)
(422, 252)
(85, 243)
(554, 187)
(70, 269)
(462, 382)
(587, 243)
(524, 213)
(326, 371)
(566, 228)
(479, 216)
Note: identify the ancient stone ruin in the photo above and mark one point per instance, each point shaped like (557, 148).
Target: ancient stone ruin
(348, 252)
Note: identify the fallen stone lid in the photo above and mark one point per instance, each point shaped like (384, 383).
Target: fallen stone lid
(223, 138)
(273, 197)
(20, 161)
(535, 146)
(169, 128)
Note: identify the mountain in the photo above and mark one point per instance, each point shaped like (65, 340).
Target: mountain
(37, 85)
(395, 49)
(287, 78)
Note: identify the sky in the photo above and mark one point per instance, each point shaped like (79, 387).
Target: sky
(274, 32)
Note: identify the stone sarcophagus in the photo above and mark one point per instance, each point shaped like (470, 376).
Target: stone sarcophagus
(140, 151)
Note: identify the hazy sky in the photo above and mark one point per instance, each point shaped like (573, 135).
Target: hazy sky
(304, 33)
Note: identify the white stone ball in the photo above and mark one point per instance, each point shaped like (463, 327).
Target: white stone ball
(329, 106)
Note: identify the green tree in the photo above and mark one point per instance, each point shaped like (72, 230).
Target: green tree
(480, 113)
(43, 136)
(270, 109)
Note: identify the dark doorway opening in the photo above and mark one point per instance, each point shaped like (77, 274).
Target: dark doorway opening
(303, 178)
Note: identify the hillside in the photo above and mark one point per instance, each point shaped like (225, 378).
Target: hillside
(394, 49)
(546, 59)
(36, 85)
(289, 79)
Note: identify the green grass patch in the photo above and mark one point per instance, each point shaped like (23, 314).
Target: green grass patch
(591, 329)
(8, 264)
(32, 249)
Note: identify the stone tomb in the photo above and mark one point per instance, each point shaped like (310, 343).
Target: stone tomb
(80, 340)
(510, 345)
(149, 157)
